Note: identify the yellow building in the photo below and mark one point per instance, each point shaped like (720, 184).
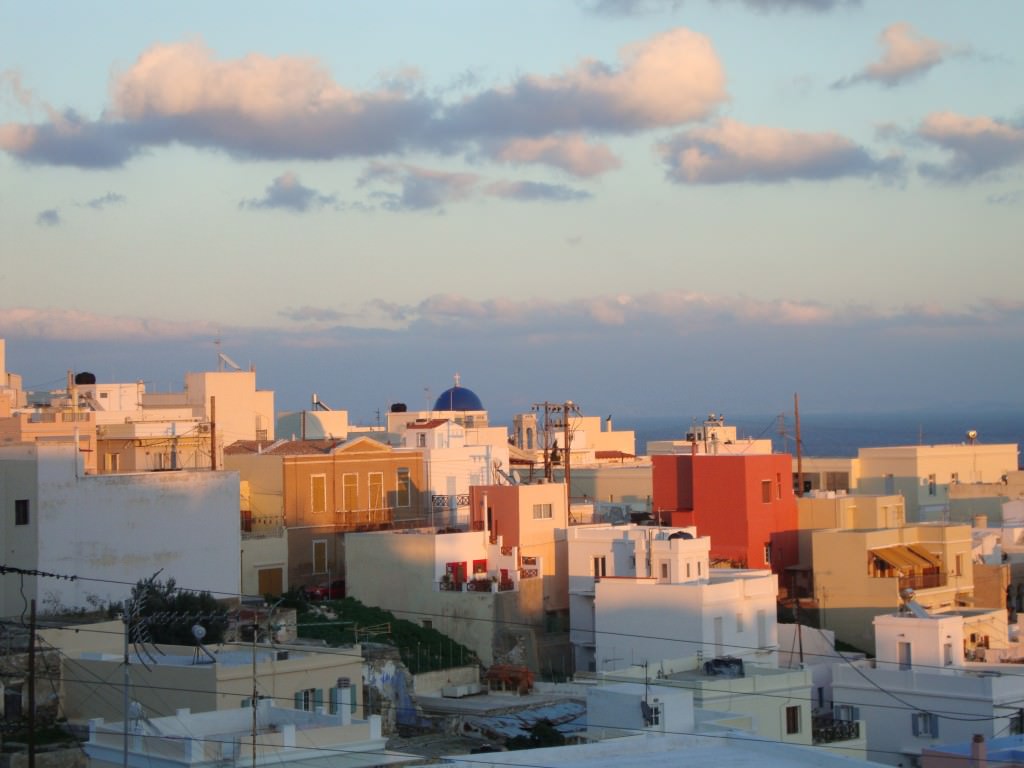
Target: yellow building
(860, 573)
(927, 476)
(315, 491)
(92, 676)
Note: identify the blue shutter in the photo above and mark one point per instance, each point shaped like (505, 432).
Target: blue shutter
(298, 700)
(914, 721)
(333, 704)
(352, 698)
(318, 698)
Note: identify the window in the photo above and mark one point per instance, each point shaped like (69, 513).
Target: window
(958, 565)
(21, 512)
(320, 556)
(846, 712)
(889, 484)
(342, 695)
(541, 511)
(428, 624)
(905, 657)
(931, 485)
(766, 491)
(112, 462)
(954, 478)
(318, 494)
(350, 492)
(421, 439)
(947, 654)
(698, 568)
(402, 488)
(600, 567)
(664, 571)
(1016, 726)
(687, 570)
(768, 553)
(793, 719)
(376, 490)
(309, 699)
(778, 485)
(924, 724)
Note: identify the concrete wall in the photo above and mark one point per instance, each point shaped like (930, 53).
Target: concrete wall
(92, 686)
(113, 530)
(640, 619)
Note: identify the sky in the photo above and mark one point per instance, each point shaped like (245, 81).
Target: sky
(645, 206)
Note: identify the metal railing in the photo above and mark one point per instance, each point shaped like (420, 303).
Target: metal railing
(826, 730)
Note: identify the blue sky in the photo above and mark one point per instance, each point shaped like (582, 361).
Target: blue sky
(642, 205)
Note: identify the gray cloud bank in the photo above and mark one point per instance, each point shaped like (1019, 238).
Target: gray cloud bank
(628, 353)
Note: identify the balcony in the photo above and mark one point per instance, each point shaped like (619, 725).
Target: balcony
(827, 730)
(261, 526)
(479, 585)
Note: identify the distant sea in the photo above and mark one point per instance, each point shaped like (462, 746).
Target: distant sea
(841, 434)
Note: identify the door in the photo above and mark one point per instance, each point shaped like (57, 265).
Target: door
(271, 581)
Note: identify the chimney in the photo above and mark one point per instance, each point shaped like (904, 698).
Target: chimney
(979, 751)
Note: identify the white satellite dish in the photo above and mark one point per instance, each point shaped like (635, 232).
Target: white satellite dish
(516, 477)
(198, 632)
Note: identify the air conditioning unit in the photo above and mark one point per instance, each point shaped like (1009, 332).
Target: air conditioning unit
(204, 429)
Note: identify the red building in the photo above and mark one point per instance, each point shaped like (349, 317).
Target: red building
(744, 503)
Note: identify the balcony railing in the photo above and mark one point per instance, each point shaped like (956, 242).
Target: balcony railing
(826, 730)
(922, 580)
(447, 501)
(478, 585)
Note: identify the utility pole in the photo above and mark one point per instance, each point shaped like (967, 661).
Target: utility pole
(799, 447)
(32, 687)
(213, 433)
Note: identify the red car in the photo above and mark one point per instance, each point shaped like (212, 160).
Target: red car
(335, 590)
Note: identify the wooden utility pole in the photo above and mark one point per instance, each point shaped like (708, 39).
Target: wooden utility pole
(213, 433)
(799, 447)
(32, 686)
(567, 442)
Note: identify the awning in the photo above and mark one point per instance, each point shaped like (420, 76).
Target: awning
(907, 556)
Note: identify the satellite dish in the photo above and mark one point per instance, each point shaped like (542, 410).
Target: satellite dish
(223, 360)
(515, 476)
(198, 632)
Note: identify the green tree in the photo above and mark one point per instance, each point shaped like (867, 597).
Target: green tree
(163, 613)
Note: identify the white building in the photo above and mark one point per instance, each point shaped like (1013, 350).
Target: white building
(713, 436)
(274, 737)
(452, 465)
(923, 690)
(110, 531)
(640, 593)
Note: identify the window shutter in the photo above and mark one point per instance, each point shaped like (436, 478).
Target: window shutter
(352, 698)
(914, 720)
(333, 704)
(318, 698)
(298, 700)
(934, 722)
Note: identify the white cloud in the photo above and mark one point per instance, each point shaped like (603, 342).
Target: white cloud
(572, 153)
(730, 151)
(979, 146)
(286, 192)
(905, 54)
(75, 325)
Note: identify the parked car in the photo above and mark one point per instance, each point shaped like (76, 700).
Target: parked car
(334, 590)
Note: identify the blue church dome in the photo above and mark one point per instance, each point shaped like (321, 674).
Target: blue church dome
(458, 399)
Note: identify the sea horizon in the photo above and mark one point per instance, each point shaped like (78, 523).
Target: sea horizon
(842, 434)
